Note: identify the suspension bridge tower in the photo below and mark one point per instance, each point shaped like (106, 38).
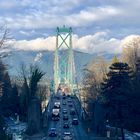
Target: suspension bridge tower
(64, 67)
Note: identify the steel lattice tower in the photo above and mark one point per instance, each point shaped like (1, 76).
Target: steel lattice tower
(64, 68)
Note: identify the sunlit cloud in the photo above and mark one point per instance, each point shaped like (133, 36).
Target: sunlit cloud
(32, 21)
(90, 43)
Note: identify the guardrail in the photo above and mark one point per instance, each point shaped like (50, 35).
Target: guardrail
(81, 111)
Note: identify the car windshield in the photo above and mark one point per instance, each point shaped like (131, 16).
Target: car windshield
(69, 100)
(75, 119)
(53, 129)
(67, 133)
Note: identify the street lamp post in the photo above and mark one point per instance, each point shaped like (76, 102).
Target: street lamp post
(107, 129)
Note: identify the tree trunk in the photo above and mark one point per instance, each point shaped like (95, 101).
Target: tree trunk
(122, 132)
(116, 132)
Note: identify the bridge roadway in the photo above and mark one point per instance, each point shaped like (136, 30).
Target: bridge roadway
(77, 131)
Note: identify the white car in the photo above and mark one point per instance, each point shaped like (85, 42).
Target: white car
(17, 137)
(67, 136)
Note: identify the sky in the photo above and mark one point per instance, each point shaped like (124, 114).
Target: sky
(98, 25)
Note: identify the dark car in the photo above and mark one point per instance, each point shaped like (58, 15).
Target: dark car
(72, 97)
(69, 101)
(70, 105)
(65, 117)
(64, 97)
(55, 118)
(72, 112)
(57, 97)
(75, 121)
(66, 125)
(68, 95)
(67, 136)
(52, 132)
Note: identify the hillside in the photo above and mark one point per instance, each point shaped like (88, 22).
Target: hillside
(45, 59)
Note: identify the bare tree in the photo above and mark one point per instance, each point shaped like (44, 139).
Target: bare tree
(131, 50)
(4, 32)
(94, 74)
(4, 41)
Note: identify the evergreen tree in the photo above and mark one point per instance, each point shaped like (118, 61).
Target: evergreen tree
(137, 75)
(116, 90)
(2, 133)
(7, 88)
(5, 85)
(134, 124)
(115, 59)
(2, 72)
(14, 100)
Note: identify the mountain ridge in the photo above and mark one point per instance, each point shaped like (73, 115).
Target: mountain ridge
(45, 60)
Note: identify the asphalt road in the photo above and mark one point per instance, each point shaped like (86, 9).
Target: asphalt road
(77, 131)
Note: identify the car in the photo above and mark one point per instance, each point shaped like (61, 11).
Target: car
(52, 132)
(65, 125)
(67, 136)
(68, 95)
(69, 101)
(72, 111)
(65, 117)
(57, 97)
(72, 97)
(64, 97)
(55, 112)
(17, 136)
(55, 118)
(64, 103)
(75, 121)
(57, 105)
(70, 105)
(65, 111)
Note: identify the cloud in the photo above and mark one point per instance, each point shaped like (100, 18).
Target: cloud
(98, 43)
(90, 15)
(121, 17)
(38, 15)
(6, 4)
(36, 44)
(95, 43)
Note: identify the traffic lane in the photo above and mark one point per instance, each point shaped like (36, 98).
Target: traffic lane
(60, 128)
(70, 129)
(78, 129)
(53, 124)
(59, 124)
(79, 132)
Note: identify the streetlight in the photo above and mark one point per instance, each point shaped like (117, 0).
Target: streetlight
(107, 129)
